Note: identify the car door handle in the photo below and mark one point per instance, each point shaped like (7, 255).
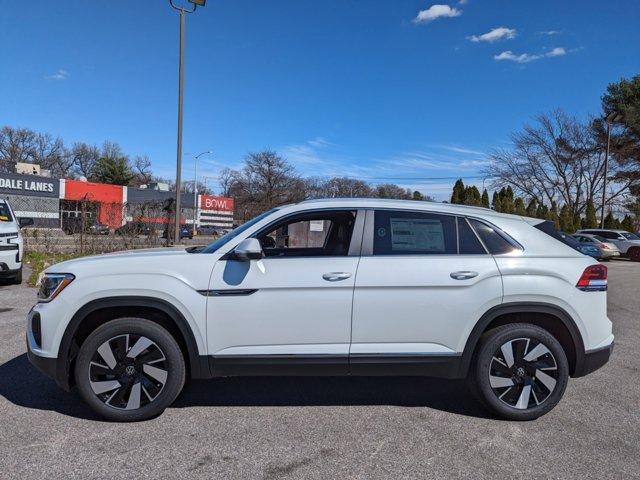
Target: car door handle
(336, 276)
(463, 275)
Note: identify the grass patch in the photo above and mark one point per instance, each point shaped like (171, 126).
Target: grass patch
(39, 261)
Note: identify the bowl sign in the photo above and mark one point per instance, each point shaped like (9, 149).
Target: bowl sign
(209, 202)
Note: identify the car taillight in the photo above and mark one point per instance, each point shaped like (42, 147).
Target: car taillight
(605, 246)
(593, 279)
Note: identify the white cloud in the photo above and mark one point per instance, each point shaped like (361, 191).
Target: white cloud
(529, 57)
(549, 33)
(437, 11)
(59, 75)
(495, 34)
(556, 52)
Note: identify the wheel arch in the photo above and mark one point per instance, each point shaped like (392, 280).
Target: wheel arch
(541, 314)
(99, 311)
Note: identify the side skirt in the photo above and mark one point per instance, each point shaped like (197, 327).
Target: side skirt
(443, 366)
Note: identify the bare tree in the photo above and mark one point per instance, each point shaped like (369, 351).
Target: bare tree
(142, 170)
(84, 159)
(16, 145)
(225, 180)
(559, 159)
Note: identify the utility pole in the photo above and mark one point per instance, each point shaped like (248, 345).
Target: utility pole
(182, 11)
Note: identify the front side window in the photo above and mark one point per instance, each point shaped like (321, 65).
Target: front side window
(223, 240)
(309, 235)
(5, 213)
(413, 233)
(630, 236)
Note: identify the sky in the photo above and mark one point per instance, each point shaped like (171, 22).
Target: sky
(404, 91)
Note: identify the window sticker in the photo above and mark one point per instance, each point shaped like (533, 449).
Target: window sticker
(316, 226)
(417, 234)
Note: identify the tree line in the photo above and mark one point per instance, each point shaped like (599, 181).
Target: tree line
(556, 165)
(505, 201)
(105, 164)
(267, 180)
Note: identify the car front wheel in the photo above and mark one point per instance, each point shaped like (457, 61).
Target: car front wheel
(520, 371)
(129, 369)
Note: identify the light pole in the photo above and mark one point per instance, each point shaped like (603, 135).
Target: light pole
(195, 189)
(182, 10)
(612, 117)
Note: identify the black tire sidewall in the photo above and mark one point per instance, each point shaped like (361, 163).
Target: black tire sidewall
(490, 343)
(139, 326)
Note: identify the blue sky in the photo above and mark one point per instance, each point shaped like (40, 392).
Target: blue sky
(385, 90)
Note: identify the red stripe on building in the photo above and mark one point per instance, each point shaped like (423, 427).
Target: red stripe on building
(108, 196)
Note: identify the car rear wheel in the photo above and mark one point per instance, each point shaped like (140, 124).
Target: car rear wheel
(520, 371)
(17, 279)
(634, 254)
(130, 369)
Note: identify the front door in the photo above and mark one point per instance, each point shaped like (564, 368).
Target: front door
(291, 310)
(423, 281)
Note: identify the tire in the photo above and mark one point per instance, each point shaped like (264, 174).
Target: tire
(634, 254)
(129, 369)
(17, 280)
(512, 386)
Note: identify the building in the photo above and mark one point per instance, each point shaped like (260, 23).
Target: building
(50, 201)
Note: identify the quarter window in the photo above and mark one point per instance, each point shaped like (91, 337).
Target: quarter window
(495, 243)
(468, 243)
(413, 233)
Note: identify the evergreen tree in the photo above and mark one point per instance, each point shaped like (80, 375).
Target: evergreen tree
(627, 224)
(532, 208)
(472, 196)
(609, 220)
(495, 202)
(552, 214)
(417, 196)
(566, 219)
(542, 211)
(485, 199)
(457, 196)
(518, 207)
(506, 200)
(591, 217)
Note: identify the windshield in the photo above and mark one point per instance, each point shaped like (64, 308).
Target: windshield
(5, 213)
(223, 240)
(630, 236)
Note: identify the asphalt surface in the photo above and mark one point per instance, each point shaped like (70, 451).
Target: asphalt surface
(324, 428)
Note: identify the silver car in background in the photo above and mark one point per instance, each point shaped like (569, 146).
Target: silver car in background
(608, 250)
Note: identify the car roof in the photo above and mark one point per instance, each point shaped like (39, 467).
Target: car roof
(601, 230)
(402, 204)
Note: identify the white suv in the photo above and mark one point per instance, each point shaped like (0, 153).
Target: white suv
(11, 243)
(331, 287)
(628, 243)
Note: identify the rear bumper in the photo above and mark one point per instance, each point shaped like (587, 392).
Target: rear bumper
(593, 360)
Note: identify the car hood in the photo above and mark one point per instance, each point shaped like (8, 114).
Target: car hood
(166, 261)
(8, 227)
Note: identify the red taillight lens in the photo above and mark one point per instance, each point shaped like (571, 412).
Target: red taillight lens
(593, 279)
(605, 246)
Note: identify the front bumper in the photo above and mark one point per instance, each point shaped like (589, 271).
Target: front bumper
(46, 365)
(593, 360)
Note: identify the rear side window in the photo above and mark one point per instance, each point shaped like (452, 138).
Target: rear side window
(495, 243)
(417, 233)
(468, 243)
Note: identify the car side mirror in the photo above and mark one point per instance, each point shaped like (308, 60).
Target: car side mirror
(248, 249)
(25, 222)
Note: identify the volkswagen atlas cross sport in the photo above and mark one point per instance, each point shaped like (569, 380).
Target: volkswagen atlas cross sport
(331, 287)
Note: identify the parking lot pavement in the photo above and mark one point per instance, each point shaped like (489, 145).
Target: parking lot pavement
(352, 428)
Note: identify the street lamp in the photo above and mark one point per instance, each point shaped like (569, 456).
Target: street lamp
(182, 10)
(611, 118)
(195, 188)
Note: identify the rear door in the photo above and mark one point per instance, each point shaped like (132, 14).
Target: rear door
(423, 281)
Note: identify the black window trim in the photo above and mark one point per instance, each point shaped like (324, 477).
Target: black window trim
(355, 245)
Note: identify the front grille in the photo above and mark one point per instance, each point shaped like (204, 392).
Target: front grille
(8, 247)
(10, 234)
(36, 329)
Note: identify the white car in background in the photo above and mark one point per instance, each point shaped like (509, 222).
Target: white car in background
(628, 243)
(331, 287)
(11, 243)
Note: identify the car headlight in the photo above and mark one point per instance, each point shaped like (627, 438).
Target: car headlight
(52, 284)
